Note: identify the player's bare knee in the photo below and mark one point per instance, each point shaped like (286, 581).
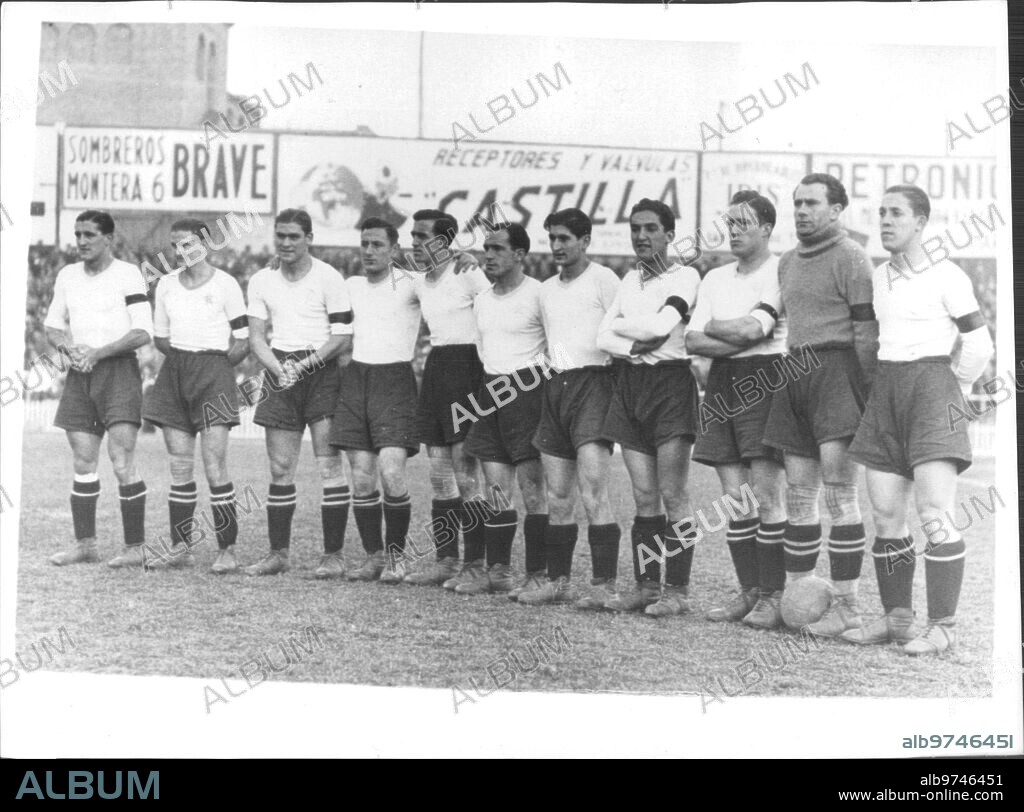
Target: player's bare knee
(561, 508)
(392, 477)
(331, 470)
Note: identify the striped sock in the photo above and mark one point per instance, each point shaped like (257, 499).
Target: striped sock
(535, 527)
(85, 493)
(944, 575)
(133, 513)
(181, 506)
(559, 544)
(334, 517)
(444, 526)
(475, 513)
(225, 514)
(771, 559)
(280, 509)
(740, 536)
(604, 549)
(368, 515)
(680, 544)
(499, 533)
(801, 543)
(397, 515)
(894, 567)
(846, 545)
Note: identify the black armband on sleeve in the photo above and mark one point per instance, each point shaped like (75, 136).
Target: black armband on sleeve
(340, 318)
(767, 308)
(239, 323)
(862, 312)
(135, 298)
(970, 322)
(682, 308)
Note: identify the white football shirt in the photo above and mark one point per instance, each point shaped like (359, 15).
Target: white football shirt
(573, 312)
(641, 294)
(726, 294)
(511, 328)
(201, 318)
(387, 318)
(447, 304)
(916, 309)
(303, 313)
(99, 308)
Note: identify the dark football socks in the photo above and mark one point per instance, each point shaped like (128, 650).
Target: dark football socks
(84, 496)
(445, 515)
(944, 575)
(771, 556)
(559, 544)
(225, 514)
(680, 545)
(474, 513)
(499, 533)
(741, 537)
(801, 543)
(133, 512)
(604, 549)
(846, 551)
(334, 517)
(280, 509)
(369, 516)
(895, 563)
(181, 506)
(397, 514)
(645, 537)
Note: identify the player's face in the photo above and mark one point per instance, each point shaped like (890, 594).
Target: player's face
(427, 249)
(92, 244)
(187, 248)
(899, 226)
(746, 236)
(650, 239)
(290, 242)
(566, 247)
(376, 250)
(811, 209)
(500, 259)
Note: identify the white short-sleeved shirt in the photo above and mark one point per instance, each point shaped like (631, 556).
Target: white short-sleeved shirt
(511, 328)
(726, 294)
(641, 295)
(303, 313)
(573, 312)
(916, 309)
(447, 305)
(99, 308)
(387, 318)
(200, 318)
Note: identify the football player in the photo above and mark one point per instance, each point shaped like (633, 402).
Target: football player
(306, 303)
(907, 440)
(201, 327)
(452, 372)
(826, 293)
(743, 299)
(506, 412)
(653, 414)
(375, 417)
(570, 436)
(98, 317)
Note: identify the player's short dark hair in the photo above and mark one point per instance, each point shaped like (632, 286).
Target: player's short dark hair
(916, 197)
(300, 217)
(445, 226)
(377, 222)
(103, 221)
(193, 226)
(517, 236)
(665, 215)
(835, 192)
(757, 203)
(573, 219)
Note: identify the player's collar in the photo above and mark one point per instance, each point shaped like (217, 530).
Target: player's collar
(646, 275)
(831, 236)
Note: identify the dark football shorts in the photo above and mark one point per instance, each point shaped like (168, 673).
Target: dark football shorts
(93, 401)
(505, 425)
(376, 408)
(652, 405)
(573, 410)
(308, 401)
(194, 390)
(908, 421)
(737, 400)
(451, 373)
(822, 400)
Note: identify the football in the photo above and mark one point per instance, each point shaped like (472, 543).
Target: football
(805, 601)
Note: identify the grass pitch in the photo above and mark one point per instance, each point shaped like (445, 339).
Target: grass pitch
(194, 624)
